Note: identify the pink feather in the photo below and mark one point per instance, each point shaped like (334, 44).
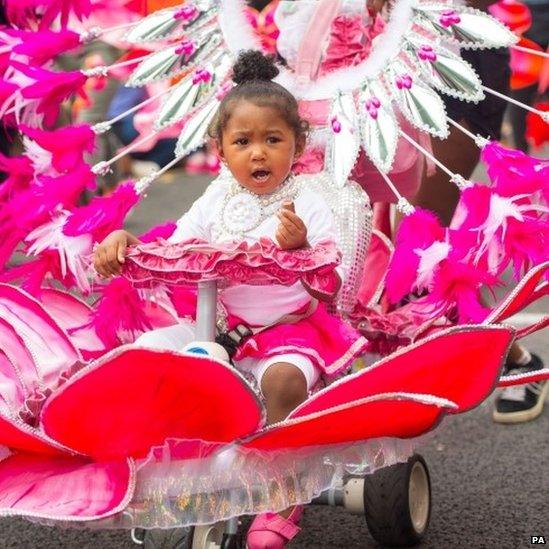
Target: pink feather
(50, 89)
(118, 315)
(66, 145)
(496, 229)
(20, 174)
(45, 45)
(515, 172)
(458, 284)
(103, 215)
(31, 208)
(25, 13)
(159, 231)
(51, 193)
(417, 231)
(8, 92)
(526, 243)
(32, 273)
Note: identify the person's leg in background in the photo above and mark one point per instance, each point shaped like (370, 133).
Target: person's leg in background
(438, 194)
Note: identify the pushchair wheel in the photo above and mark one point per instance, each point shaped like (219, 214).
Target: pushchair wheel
(175, 538)
(213, 536)
(397, 502)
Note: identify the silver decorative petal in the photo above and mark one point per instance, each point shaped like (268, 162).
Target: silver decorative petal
(194, 132)
(421, 105)
(157, 26)
(379, 133)
(353, 225)
(475, 30)
(167, 63)
(186, 95)
(179, 103)
(157, 66)
(448, 72)
(343, 146)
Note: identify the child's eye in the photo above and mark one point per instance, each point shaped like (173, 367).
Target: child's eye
(273, 140)
(241, 141)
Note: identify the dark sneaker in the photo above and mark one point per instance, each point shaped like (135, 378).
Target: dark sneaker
(521, 403)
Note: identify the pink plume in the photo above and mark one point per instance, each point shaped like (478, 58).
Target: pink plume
(159, 231)
(51, 193)
(24, 13)
(457, 283)
(32, 273)
(515, 172)
(417, 231)
(497, 229)
(103, 215)
(118, 315)
(31, 208)
(66, 145)
(7, 99)
(474, 207)
(45, 45)
(526, 243)
(50, 89)
(20, 173)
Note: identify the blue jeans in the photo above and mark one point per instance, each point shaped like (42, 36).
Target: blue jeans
(162, 153)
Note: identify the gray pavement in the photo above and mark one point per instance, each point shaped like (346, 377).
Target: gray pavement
(490, 482)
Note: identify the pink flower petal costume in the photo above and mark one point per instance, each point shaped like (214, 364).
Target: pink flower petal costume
(121, 436)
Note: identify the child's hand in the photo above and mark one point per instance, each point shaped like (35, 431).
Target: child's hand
(109, 256)
(291, 233)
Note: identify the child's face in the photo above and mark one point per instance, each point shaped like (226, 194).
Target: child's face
(259, 147)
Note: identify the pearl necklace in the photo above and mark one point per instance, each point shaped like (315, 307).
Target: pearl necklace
(243, 211)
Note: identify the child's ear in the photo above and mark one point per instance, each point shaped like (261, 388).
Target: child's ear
(217, 148)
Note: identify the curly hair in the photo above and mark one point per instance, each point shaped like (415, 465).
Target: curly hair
(253, 75)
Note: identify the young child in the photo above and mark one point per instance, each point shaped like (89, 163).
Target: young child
(259, 134)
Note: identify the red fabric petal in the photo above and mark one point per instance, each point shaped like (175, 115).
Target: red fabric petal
(16, 435)
(355, 421)
(456, 364)
(133, 399)
(64, 488)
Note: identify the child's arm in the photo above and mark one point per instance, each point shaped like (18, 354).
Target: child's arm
(292, 235)
(110, 255)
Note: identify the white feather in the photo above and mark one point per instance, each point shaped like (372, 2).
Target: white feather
(429, 260)
(74, 251)
(237, 31)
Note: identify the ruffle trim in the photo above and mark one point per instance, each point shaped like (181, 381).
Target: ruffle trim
(233, 481)
(259, 263)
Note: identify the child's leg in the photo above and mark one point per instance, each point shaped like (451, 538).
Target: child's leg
(285, 381)
(172, 338)
(284, 387)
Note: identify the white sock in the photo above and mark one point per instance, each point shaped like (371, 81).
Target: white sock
(524, 359)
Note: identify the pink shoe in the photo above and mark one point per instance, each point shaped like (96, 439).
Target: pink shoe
(271, 531)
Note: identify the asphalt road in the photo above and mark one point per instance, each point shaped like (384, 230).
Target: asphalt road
(490, 482)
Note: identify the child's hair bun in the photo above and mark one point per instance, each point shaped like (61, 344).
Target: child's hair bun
(253, 65)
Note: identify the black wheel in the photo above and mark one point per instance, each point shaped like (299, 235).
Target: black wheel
(397, 503)
(175, 538)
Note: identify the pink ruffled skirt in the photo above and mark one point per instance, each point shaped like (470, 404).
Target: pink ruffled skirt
(330, 343)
